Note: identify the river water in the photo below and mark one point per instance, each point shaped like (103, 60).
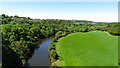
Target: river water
(40, 56)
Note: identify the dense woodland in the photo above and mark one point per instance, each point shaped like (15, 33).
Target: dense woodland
(20, 34)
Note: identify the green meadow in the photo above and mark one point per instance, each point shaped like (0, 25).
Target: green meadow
(94, 48)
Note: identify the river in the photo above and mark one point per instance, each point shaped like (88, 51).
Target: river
(40, 56)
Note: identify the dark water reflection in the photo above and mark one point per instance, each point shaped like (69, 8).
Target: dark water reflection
(40, 56)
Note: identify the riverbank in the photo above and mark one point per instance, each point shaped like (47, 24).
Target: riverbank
(52, 49)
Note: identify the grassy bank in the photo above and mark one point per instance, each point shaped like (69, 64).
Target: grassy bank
(88, 49)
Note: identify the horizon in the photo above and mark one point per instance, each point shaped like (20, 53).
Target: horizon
(64, 19)
(90, 11)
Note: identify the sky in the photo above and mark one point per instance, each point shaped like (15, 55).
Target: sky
(93, 11)
(59, 0)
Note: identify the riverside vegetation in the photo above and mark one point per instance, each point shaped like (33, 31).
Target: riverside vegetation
(20, 34)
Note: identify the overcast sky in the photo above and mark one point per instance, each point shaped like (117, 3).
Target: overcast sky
(94, 11)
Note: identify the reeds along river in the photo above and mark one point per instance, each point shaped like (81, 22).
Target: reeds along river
(40, 56)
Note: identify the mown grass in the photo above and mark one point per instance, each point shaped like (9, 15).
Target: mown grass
(88, 49)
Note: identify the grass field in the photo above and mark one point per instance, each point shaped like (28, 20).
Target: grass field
(88, 49)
